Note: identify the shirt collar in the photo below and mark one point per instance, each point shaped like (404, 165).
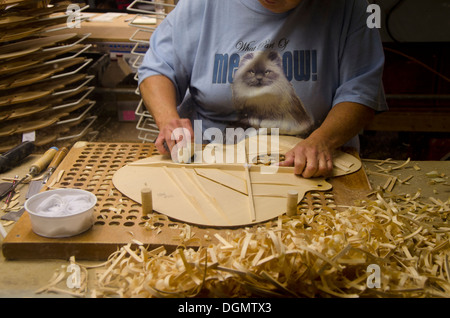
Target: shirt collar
(256, 6)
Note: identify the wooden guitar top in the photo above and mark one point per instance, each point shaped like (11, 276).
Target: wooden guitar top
(16, 65)
(221, 194)
(29, 46)
(39, 90)
(34, 75)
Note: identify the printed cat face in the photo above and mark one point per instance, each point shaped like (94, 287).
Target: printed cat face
(262, 70)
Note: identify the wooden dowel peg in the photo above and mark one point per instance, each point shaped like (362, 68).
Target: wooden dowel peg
(292, 200)
(147, 201)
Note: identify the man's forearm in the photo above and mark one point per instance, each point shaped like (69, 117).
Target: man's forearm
(343, 122)
(158, 93)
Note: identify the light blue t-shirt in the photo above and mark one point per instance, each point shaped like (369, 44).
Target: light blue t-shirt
(329, 54)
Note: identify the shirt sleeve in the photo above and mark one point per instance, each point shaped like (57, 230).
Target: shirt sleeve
(361, 61)
(163, 55)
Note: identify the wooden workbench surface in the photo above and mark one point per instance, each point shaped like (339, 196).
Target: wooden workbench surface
(118, 219)
(418, 173)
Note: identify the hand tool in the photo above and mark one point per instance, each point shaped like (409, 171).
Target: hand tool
(14, 156)
(36, 186)
(13, 215)
(34, 170)
(59, 156)
(10, 194)
(2, 231)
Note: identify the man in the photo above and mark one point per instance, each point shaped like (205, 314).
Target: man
(329, 56)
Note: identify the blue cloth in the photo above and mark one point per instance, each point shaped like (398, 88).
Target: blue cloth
(329, 54)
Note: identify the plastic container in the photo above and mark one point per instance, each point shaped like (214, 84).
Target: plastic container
(56, 226)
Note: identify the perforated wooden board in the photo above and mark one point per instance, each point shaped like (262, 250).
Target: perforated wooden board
(119, 220)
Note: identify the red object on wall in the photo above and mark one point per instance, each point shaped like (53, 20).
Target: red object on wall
(439, 148)
(122, 4)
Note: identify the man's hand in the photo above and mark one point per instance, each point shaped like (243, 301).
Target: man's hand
(178, 130)
(313, 157)
(159, 96)
(310, 159)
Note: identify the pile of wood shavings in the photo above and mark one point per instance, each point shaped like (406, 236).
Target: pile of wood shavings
(315, 254)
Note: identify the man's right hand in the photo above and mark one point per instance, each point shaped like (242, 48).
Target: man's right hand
(159, 96)
(175, 131)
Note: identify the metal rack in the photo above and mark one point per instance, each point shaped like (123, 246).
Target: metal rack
(63, 115)
(151, 12)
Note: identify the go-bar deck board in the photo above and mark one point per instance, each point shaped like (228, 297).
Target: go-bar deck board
(119, 220)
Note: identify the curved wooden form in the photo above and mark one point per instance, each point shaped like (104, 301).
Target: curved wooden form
(223, 194)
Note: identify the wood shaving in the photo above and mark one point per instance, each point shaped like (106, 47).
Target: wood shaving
(432, 174)
(58, 282)
(8, 223)
(3, 232)
(56, 180)
(380, 164)
(322, 253)
(9, 179)
(405, 181)
(318, 253)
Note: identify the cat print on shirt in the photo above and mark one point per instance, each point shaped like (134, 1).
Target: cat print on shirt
(264, 97)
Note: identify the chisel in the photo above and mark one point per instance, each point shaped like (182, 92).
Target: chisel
(55, 163)
(36, 186)
(34, 170)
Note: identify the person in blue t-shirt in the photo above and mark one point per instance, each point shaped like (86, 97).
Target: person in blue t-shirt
(310, 68)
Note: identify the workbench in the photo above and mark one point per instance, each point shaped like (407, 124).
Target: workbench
(22, 277)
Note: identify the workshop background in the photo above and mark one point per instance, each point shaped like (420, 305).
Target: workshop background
(416, 37)
(107, 108)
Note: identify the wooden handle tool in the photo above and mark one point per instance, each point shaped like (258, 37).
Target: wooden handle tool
(59, 156)
(35, 169)
(42, 162)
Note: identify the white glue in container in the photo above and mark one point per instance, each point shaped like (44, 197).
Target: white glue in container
(61, 212)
